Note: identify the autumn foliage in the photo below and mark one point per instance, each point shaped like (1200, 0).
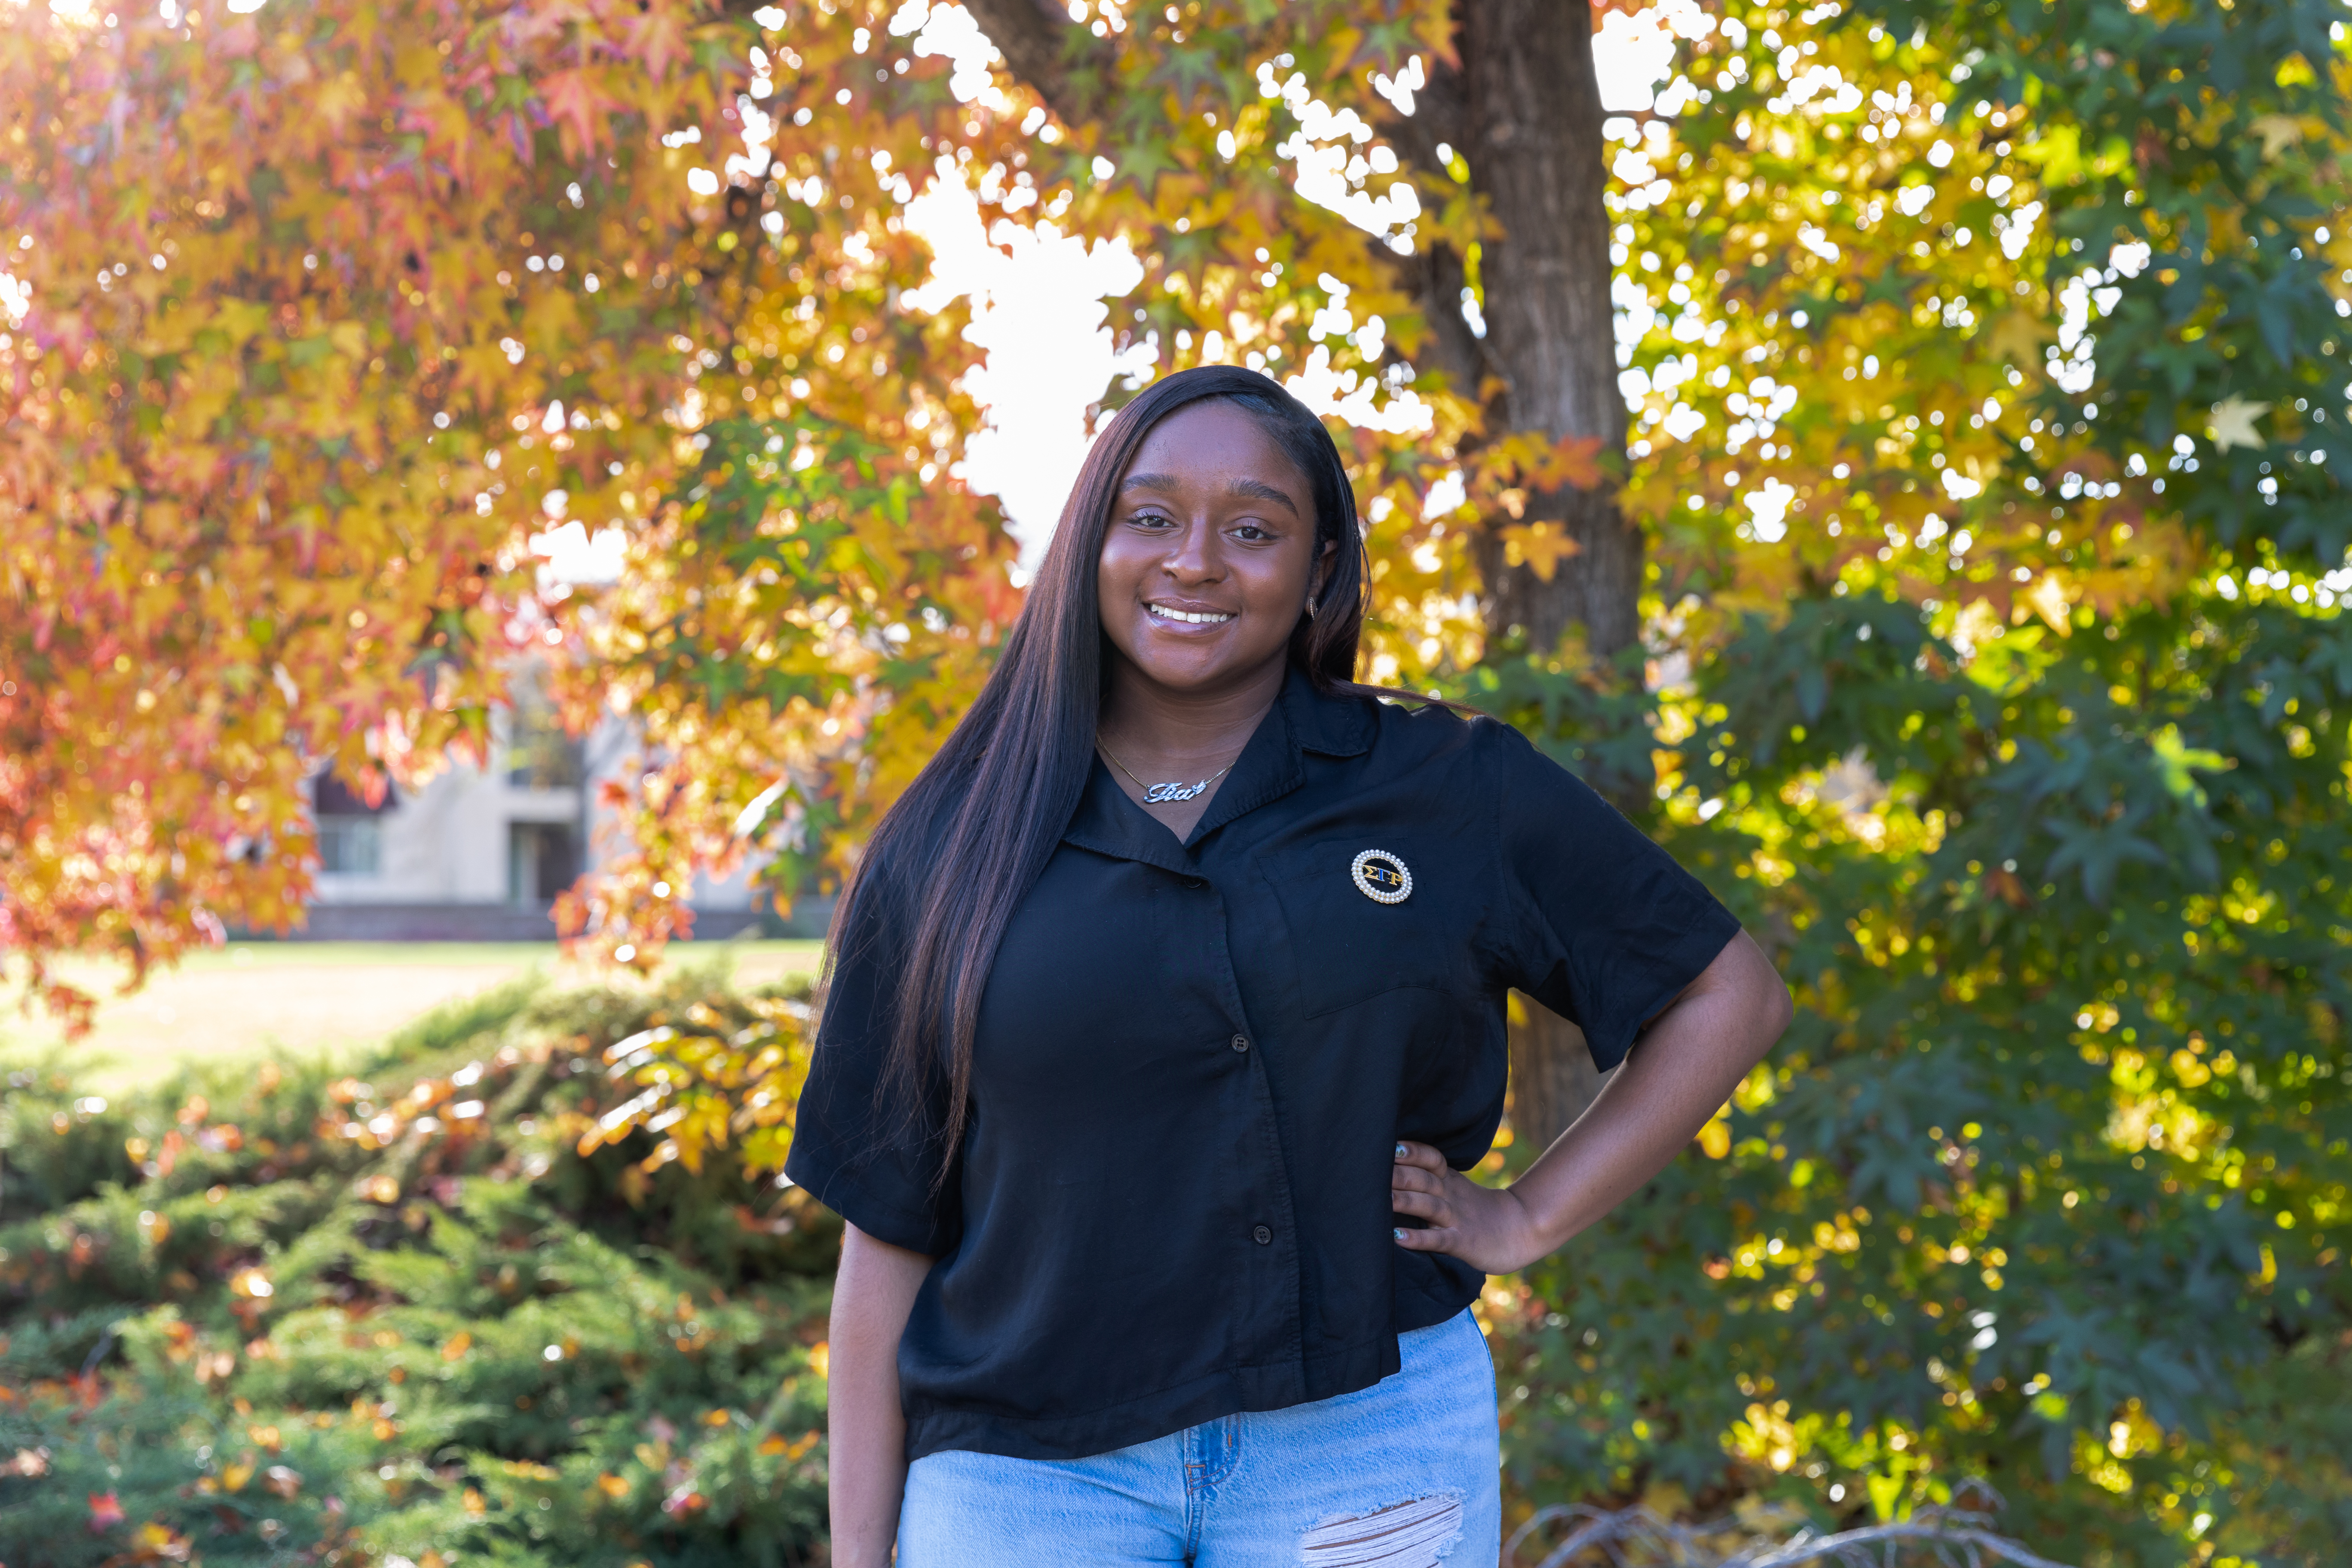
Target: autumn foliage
(304, 350)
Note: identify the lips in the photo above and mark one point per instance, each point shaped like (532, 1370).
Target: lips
(1189, 617)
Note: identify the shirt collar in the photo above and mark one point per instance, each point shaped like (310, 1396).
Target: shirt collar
(1301, 719)
(1338, 724)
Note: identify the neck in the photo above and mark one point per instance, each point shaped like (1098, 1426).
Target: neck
(1175, 730)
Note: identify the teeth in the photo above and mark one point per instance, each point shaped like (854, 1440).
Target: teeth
(1209, 619)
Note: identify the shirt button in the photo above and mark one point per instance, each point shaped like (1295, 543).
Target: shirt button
(1262, 1234)
(1241, 1042)
(1196, 883)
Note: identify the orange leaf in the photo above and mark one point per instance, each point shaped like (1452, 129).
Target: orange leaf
(1572, 460)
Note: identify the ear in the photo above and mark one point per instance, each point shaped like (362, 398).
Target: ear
(1322, 572)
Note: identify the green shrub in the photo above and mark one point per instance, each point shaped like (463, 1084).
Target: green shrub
(444, 1306)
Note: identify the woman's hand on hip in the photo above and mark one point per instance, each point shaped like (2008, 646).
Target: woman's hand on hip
(1683, 1066)
(1486, 1227)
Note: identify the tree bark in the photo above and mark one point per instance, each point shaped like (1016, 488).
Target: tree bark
(1532, 113)
(1530, 121)
(1032, 35)
(1552, 1075)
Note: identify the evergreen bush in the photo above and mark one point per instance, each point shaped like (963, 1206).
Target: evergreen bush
(471, 1299)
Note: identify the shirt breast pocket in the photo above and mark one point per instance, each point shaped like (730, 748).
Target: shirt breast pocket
(1369, 916)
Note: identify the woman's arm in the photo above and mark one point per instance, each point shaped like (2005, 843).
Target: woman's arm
(872, 1295)
(1689, 1061)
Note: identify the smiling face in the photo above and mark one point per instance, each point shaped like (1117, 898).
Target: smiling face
(1209, 554)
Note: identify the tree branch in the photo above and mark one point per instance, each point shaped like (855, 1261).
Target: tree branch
(1599, 1531)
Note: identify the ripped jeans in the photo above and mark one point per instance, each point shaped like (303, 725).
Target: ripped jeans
(1404, 1474)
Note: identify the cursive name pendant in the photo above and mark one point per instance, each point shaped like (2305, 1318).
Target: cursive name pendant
(1166, 793)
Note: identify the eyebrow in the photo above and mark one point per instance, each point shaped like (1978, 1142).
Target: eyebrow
(1254, 490)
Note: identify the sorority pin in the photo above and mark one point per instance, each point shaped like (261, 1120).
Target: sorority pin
(1381, 877)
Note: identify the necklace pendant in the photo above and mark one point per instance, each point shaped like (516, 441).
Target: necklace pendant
(1161, 794)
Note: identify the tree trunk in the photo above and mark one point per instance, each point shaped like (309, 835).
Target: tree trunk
(1532, 116)
(1530, 109)
(1552, 1075)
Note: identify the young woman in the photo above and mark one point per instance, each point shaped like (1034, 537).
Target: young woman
(1164, 1015)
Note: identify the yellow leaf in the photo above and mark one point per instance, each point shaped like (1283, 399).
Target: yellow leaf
(1541, 545)
(2047, 598)
(240, 318)
(2278, 132)
(339, 98)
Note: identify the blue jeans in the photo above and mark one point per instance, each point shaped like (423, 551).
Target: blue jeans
(1404, 1474)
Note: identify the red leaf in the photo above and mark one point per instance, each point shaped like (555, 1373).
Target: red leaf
(575, 105)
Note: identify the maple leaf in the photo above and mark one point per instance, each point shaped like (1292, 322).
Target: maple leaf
(2233, 424)
(1541, 546)
(1571, 460)
(574, 103)
(1146, 163)
(2017, 339)
(2278, 132)
(2047, 598)
(340, 98)
(658, 36)
(105, 1512)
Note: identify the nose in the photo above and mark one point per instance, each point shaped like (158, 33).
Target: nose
(1192, 556)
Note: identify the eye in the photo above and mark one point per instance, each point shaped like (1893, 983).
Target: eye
(1149, 519)
(1250, 532)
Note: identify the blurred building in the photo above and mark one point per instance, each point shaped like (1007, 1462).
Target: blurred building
(480, 853)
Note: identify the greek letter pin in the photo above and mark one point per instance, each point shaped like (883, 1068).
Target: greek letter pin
(1381, 877)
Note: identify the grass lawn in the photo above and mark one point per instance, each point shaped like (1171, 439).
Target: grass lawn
(319, 997)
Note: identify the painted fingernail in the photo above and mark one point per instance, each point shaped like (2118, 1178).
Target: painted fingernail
(1398, 1233)
(1402, 1151)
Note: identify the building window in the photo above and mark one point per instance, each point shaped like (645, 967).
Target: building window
(350, 845)
(350, 831)
(543, 859)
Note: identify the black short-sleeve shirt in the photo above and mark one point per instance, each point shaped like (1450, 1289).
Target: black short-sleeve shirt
(1193, 1061)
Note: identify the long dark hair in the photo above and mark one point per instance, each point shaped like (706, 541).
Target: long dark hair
(954, 857)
